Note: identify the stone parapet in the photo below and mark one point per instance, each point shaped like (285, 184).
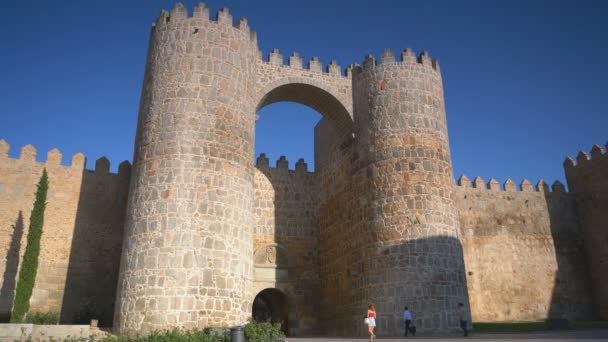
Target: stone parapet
(286, 240)
(81, 238)
(587, 178)
(519, 246)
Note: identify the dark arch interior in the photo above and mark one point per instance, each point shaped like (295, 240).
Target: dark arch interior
(270, 305)
(313, 97)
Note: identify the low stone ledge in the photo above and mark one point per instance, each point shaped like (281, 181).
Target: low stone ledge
(14, 332)
(21, 332)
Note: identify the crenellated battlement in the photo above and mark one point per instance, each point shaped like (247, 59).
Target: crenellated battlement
(408, 58)
(282, 165)
(83, 226)
(314, 64)
(200, 17)
(587, 177)
(509, 186)
(54, 159)
(384, 197)
(584, 159)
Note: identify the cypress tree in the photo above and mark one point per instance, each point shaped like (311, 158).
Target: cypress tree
(29, 265)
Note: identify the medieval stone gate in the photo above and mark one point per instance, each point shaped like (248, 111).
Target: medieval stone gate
(378, 221)
(383, 183)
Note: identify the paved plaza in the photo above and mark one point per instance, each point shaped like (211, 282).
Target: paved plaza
(595, 335)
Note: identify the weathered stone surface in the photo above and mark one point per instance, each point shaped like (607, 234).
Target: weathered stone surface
(379, 221)
(81, 238)
(520, 247)
(409, 252)
(588, 181)
(191, 195)
(286, 242)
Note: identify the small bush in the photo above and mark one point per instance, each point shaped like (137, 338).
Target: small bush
(179, 335)
(265, 331)
(175, 335)
(46, 318)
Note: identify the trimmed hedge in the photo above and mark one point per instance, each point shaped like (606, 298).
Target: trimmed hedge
(29, 265)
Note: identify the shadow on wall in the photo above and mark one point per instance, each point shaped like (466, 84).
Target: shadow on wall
(287, 215)
(92, 275)
(425, 274)
(7, 292)
(571, 297)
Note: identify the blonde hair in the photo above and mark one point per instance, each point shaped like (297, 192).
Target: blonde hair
(371, 307)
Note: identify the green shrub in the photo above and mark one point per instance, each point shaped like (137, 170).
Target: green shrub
(175, 335)
(46, 318)
(261, 332)
(29, 265)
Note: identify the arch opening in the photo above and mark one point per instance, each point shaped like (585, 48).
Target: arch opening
(289, 200)
(270, 305)
(287, 129)
(314, 97)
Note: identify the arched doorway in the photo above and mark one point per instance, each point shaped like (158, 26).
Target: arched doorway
(270, 305)
(289, 208)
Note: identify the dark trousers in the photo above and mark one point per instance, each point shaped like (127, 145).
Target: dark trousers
(407, 327)
(463, 325)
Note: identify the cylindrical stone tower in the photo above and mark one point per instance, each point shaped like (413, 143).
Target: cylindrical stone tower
(411, 250)
(187, 249)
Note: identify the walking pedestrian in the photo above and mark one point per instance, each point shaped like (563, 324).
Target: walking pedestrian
(462, 315)
(371, 324)
(407, 317)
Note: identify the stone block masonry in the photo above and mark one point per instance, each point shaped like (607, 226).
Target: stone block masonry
(195, 231)
(411, 251)
(82, 233)
(188, 238)
(588, 181)
(286, 239)
(523, 250)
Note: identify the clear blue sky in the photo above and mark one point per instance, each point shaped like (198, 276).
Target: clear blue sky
(525, 81)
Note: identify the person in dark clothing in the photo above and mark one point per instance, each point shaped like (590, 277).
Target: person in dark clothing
(407, 317)
(462, 315)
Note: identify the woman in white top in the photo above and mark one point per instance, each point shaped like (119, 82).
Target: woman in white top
(371, 324)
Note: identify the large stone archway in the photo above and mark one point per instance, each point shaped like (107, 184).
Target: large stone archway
(195, 204)
(287, 202)
(329, 93)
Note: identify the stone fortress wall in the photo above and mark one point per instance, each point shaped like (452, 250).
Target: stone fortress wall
(82, 234)
(202, 230)
(588, 181)
(524, 247)
(286, 239)
(407, 231)
(523, 250)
